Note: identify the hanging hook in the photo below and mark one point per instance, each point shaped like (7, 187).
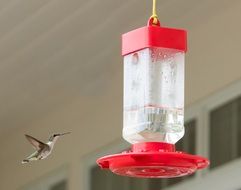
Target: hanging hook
(154, 18)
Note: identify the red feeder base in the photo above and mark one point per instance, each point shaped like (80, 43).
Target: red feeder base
(153, 160)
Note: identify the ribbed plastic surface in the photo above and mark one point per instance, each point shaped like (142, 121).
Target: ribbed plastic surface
(153, 160)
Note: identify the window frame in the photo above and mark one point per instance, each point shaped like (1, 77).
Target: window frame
(206, 178)
(89, 160)
(227, 172)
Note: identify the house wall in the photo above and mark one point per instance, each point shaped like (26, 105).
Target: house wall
(212, 63)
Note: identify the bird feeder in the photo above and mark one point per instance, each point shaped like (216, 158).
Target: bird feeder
(153, 105)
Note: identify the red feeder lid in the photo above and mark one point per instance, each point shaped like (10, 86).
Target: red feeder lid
(154, 36)
(153, 160)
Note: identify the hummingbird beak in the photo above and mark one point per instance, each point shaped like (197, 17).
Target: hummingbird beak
(64, 134)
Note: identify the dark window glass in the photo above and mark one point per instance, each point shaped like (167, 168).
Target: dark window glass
(99, 179)
(225, 130)
(239, 127)
(104, 179)
(188, 142)
(62, 185)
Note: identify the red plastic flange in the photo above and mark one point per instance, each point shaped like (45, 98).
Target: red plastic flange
(154, 36)
(153, 160)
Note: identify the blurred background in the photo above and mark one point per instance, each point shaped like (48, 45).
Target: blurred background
(61, 70)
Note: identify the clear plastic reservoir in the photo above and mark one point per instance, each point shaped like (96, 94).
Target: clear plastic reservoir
(154, 95)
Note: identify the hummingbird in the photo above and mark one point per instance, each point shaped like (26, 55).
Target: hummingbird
(43, 150)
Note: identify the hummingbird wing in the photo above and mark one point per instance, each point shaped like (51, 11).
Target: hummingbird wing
(38, 145)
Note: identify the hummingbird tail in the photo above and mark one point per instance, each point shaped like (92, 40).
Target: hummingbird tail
(25, 161)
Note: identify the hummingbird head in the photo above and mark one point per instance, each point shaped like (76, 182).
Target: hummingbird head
(56, 136)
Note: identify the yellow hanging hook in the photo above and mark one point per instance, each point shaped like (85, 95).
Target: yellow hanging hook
(154, 15)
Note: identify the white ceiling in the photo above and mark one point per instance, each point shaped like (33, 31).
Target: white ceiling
(52, 51)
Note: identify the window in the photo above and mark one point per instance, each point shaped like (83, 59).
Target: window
(104, 179)
(186, 144)
(225, 130)
(213, 130)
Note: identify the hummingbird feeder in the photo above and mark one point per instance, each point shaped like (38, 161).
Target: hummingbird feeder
(153, 105)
